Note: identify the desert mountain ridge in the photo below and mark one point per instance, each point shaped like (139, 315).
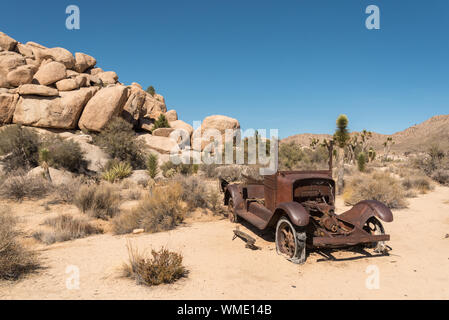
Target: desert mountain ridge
(417, 138)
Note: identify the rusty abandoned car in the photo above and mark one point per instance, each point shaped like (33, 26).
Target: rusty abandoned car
(300, 207)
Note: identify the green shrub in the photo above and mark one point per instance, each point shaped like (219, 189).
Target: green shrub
(120, 141)
(151, 91)
(161, 122)
(118, 172)
(293, 157)
(64, 154)
(164, 267)
(20, 146)
(98, 201)
(65, 228)
(15, 260)
(361, 161)
(152, 165)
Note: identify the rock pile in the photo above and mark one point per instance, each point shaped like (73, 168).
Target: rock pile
(51, 88)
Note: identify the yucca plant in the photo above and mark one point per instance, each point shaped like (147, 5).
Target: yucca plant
(341, 138)
(152, 165)
(118, 172)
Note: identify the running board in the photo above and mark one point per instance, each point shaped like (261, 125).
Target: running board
(253, 219)
(350, 240)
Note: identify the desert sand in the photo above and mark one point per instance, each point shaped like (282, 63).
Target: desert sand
(416, 268)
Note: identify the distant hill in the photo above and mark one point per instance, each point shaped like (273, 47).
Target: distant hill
(417, 138)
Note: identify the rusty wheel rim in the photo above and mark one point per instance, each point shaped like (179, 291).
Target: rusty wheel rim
(286, 240)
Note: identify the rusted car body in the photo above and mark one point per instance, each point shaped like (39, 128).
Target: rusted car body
(300, 207)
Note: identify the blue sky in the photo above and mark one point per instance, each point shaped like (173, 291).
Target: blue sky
(291, 65)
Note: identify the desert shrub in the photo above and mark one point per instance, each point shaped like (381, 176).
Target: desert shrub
(215, 201)
(20, 146)
(158, 211)
(15, 260)
(164, 267)
(120, 141)
(230, 173)
(382, 187)
(194, 192)
(161, 122)
(118, 172)
(152, 165)
(184, 169)
(151, 91)
(209, 170)
(65, 192)
(293, 157)
(97, 201)
(65, 154)
(65, 228)
(361, 162)
(420, 183)
(19, 186)
(441, 176)
(435, 164)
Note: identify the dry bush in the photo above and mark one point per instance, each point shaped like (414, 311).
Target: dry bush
(20, 146)
(158, 211)
(19, 186)
(164, 267)
(441, 176)
(194, 191)
(420, 183)
(98, 201)
(382, 187)
(66, 192)
(15, 260)
(66, 227)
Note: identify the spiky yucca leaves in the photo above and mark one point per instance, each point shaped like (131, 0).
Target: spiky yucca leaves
(118, 172)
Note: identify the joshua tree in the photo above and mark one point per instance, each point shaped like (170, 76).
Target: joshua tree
(387, 147)
(371, 154)
(314, 142)
(364, 137)
(43, 160)
(341, 138)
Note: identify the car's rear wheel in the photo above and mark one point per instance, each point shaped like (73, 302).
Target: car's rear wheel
(290, 241)
(233, 217)
(375, 227)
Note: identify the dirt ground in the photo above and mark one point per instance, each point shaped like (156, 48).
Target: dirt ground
(417, 267)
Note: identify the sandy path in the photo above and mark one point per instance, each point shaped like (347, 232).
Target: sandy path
(418, 267)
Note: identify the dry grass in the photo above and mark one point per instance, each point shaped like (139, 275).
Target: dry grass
(98, 201)
(382, 187)
(164, 267)
(19, 186)
(65, 228)
(421, 184)
(158, 211)
(15, 260)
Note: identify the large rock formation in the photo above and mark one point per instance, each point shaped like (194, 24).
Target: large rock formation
(105, 105)
(52, 88)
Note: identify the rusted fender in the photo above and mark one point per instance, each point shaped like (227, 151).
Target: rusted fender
(366, 209)
(297, 214)
(233, 190)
